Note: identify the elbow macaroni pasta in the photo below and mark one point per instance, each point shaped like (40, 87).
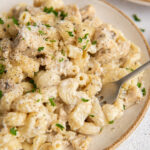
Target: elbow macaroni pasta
(54, 59)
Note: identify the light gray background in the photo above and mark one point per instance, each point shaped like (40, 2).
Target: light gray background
(140, 138)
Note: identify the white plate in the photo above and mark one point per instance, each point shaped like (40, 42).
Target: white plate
(142, 2)
(112, 135)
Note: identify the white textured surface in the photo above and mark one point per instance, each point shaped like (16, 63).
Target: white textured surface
(140, 138)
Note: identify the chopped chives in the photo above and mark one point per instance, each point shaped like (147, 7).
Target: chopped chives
(29, 28)
(52, 40)
(40, 49)
(136, 18)
(28, 24)
(70, 33)
(63, 15)
(80, 40)
(63, 52)
(91, 115)
(144, 91)
(1, 94)
(2, 68)
(142, 30)
(94, 42)
(60, 126)
(1, 21)
(50, 10)
(139, 84)
(41, 32)
(84, 100)
(38, 100)
(61, 59)
(47, 25)
(51, 100)
(15, 21)
(84, 47)
(85, 36)
(111, 122)
(34, 24)
(13, 131)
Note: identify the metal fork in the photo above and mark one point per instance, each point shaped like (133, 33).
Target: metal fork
(110, 91)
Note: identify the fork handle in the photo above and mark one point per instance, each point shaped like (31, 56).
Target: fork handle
(135, 72)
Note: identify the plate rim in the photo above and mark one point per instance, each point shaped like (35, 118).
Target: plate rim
(147, 103)
(140, 2)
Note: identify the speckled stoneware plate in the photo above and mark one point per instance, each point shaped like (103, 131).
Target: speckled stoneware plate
(116, 133)
(142, 2)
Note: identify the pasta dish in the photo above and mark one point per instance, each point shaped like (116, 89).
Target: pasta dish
(54, 60)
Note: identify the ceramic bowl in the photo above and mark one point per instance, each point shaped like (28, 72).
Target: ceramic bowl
(116, 133)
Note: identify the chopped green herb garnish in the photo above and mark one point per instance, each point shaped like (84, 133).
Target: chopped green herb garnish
(39, 91)
(63, 15)
(124, 107)
(130, 69)
(84, 47)
(70, 34)
(13, 131)
(51, 100)
(87, 41)
(1, 21)
(50, 10)
(136, 18)
(33, 90)
(46, 39)
(29, 28)
(80, 40)
(40, 49)
(34, 85)
(94, 42)
(61, 59)
(34, 24)
(2, 68)
(38, 100)
(63, 52)
(52, 40)
(47, 25)
(41, 32)
(85, 36)
(139, 84)
(111, 122)
(84, 100)
(1, 94)
(91, 115)
(55, 13)
(60, 126)
(142, 30)
(8, 26)
(28, 24)
(15, 21)
(144, 91)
